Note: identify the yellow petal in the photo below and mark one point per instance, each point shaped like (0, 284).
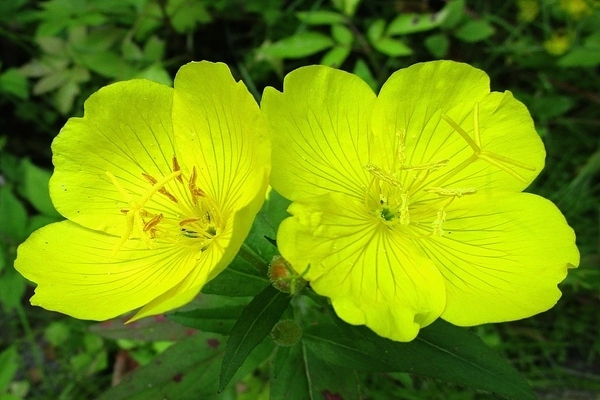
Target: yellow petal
(77, 274)
(214, 260)
(126, 131)
(320, 133)
(372, 275)
(446, 113)
(219, 129)
(502, 257)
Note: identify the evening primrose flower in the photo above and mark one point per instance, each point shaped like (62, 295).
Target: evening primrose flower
(160, 187)
(407, 206)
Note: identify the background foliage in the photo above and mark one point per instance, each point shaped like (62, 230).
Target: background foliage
(55, 53)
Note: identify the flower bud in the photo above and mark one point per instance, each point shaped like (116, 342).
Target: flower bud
(283, 277)
(286, 333)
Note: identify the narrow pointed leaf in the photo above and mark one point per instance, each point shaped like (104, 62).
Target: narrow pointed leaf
(441, 351)
(255, 323)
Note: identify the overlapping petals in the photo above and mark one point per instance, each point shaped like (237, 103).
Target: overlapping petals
(407, 206)
(160, 187)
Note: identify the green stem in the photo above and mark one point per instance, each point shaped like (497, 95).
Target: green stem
(37, 355)
(248, 255)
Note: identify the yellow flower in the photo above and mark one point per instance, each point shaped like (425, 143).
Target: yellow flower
(578, 8)
(528, 10)
(558, 44)
(407, 206)
(160, 187)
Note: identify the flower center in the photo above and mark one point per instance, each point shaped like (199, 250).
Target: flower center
(404, 198)
(173, 209)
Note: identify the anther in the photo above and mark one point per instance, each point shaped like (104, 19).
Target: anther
(153, 222)
(194, 191)
(437, 224)
(431, 166)
(460, 192)
(404, 215)
(177, 168)
(382, 175)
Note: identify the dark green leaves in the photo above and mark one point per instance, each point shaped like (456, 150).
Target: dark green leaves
(254, 325)
(441, 351)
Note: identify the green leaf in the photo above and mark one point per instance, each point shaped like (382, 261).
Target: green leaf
(298, 374)
(35, 188)
(375, 31)
(437, 45)
(336, 56)
(108, 64)
(14, 82)
(188, 370)
(474, 31)
(57, 333)
(154, 49)
(392, 47)
(157, 73)
(255, 323)
(239, 279)
(405, 24)
(288, 380)
(13, 216)
(320, 17)
(156, 328)
(342, 35)
(362, 70)
(217, 320)
(580, 57)
(441, 350)
(186, 14)
(52, 81)
(9, 364)
(299, 45)
(348, 7)
(12, 288)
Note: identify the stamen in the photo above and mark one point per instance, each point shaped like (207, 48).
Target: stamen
(460, 192)
(153, 222)
(404, 215)
(382, 175)
(158, 186)
(437, 224)
(195, 191)
(400, 149)
(188, 221)
(431, 166)
(149, 178)
(176, 168)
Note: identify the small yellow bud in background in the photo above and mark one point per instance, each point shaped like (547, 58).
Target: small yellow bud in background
(558, 44)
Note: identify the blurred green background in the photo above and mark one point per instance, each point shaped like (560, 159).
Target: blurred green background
(55, 53)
